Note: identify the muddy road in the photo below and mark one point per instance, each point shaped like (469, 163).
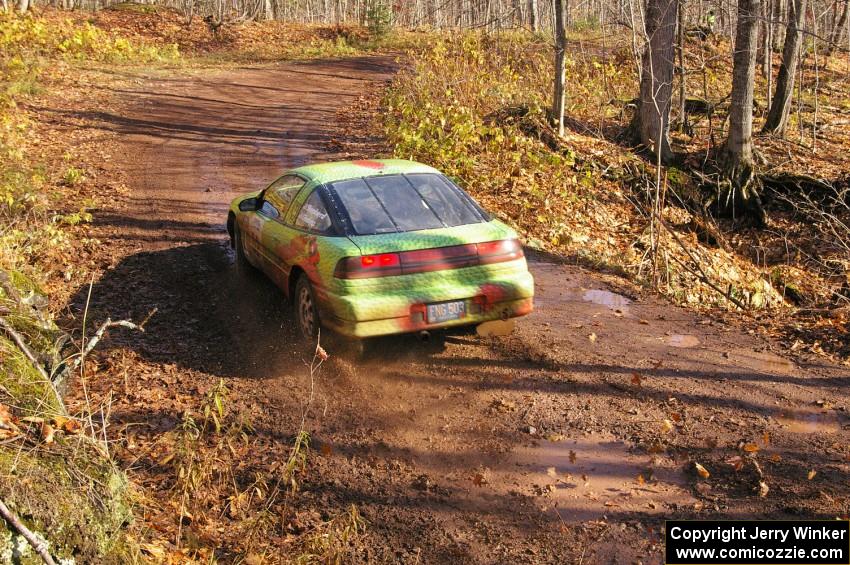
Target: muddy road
(568, 441)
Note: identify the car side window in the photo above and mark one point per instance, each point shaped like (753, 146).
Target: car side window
(268, 210)
(313, 215)
(283, 191)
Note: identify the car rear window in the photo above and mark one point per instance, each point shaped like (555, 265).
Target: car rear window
(399, 203)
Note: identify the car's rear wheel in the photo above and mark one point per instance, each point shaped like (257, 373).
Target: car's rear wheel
(306, 313)
(242, 262)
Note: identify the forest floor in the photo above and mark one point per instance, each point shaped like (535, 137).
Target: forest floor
(569, 441)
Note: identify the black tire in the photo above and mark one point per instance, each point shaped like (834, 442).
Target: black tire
(305, 312)
(242, 262)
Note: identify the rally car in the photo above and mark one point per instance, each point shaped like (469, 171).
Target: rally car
(378, 247)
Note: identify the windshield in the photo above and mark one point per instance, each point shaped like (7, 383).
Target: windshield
(399, 203)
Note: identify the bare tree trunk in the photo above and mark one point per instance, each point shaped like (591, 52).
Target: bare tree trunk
(777, 118)
(680, 40)
(768, 46)
(652, 118)
(559, 94)
(737, 153)
(533, 15)
(838, 30)
(23, 6)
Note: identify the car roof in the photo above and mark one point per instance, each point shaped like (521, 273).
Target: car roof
(340, 170)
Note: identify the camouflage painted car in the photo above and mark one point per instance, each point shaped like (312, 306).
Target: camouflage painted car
(370, 248)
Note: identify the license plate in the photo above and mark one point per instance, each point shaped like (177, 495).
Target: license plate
(445, 311)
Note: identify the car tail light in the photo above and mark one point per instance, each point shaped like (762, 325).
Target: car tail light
(368, 266)
(426, 260)
(499, 251)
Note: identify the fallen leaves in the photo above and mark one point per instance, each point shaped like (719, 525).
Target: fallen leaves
(812, 474)
(45, 429)
(701, 471)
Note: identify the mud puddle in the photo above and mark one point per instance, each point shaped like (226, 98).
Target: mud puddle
(810, 421)
(610, 300)
(583, 478)
(681, 340)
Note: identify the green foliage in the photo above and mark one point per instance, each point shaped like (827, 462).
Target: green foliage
(379, 18)
(72, 176)
(24, 37)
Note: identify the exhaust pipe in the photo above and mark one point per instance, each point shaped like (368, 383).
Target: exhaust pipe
(424, 336)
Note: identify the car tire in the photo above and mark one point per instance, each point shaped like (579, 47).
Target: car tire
(306, 314)
(242, 262)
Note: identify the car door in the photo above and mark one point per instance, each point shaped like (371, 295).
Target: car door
(312, 227)
(276, 235)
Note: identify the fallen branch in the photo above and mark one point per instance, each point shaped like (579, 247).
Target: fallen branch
(98, 335)
(38, 545)
(22, 345)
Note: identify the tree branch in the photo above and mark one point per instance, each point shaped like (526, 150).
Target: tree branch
(22, 345)
(38, 545)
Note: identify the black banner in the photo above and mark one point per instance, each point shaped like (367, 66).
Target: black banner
(746, 542)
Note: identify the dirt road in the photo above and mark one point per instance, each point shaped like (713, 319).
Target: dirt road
(569, 441)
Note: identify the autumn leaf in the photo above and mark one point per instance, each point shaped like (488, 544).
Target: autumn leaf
(7, 420)
(154, 550)
(763, 489)
(701, 471)
(592, 337)
(737, 462)
(47, 432)
(552, 472)
(667, 426)
(321, 353)
(326, 450)
(479, 479)
(812, 474)
(750, 448)
(72, 427)
(572, 456)
(636, 379)
(766, 438)
(676, 417)
(640, 480)
(776, 458)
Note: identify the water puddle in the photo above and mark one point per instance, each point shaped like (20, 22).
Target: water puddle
(496, 327)
(681, 340)
(605, 298)
(810, 421)
(587, 477)
(610, 300)
(761, 361)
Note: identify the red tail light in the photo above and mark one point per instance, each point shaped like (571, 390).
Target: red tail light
(367, 266)
(499, 251)
(427, 260)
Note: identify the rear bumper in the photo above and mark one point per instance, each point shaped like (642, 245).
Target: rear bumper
(397, 306)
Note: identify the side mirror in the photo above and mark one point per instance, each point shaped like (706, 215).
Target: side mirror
(249, 205)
